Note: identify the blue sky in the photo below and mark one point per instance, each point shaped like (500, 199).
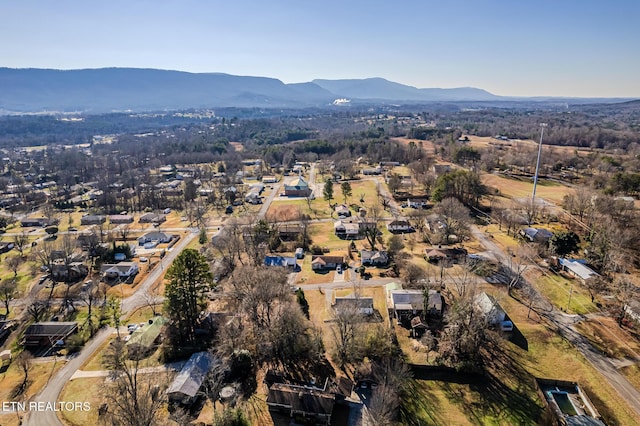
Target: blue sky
(511, 47)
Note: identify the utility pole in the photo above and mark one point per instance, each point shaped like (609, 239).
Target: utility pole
(535, 178)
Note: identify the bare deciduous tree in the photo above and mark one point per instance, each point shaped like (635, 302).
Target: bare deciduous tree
(20, 242)
(455, 218)
(134, 399)
(8, 290)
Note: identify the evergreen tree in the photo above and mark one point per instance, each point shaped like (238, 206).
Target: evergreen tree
(328, 190)
(189, 280)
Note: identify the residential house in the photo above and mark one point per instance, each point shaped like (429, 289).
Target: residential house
(269, 179)
(42, 335)
(537, 235)
(321, 262)
(120, 219)
(298, 187)
(93, 219)
(405, 304)
(311, 404)
(342, 211)
(74, 271)
(364, 305)
(36, 222)
(143, 340)
(186, 385)
(372, 171)
(374, 258)
(152, 218)
(399, 226)
(346, 229)
(155, 237)
(447, 254)
(578, 269)
(289, 231)
(285, 262)
(253, 198)
(491, 309)
(257, 188)
(122, 270)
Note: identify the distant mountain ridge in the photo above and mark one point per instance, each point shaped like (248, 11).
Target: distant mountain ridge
(140, 89)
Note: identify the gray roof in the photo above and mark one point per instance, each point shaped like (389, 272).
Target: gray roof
(190, 378)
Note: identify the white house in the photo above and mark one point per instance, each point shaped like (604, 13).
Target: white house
(492, 310)
(374, 258)
(399, 226)
(346, 229)
(155, 237)
(121, 270)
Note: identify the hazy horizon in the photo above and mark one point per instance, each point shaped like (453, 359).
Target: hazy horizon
(547, 48)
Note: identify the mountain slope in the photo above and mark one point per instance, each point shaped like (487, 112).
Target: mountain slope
(379, 88)
(108, 89)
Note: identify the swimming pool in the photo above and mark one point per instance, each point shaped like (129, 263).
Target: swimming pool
(564, 402)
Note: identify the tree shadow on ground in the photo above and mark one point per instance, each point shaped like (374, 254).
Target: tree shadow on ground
(420, 407)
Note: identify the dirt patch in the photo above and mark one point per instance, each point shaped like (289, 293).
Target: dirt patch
(237, 146)
(282, 212)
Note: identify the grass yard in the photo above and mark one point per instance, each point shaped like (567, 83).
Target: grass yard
(89, 390)
(548, 355)
(559, 289)
(605, 334)
(515, 188)
(309, 276)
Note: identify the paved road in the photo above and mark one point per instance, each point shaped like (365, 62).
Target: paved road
(51, 391)
(565, 325)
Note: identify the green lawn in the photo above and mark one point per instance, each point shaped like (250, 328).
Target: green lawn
(566, 294)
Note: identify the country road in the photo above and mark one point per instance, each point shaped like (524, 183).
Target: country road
(565, 324)
(51, 391)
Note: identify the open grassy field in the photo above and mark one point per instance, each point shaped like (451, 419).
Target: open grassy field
(517, 189)
(564, 293)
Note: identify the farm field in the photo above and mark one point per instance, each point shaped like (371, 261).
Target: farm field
(517, 189)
